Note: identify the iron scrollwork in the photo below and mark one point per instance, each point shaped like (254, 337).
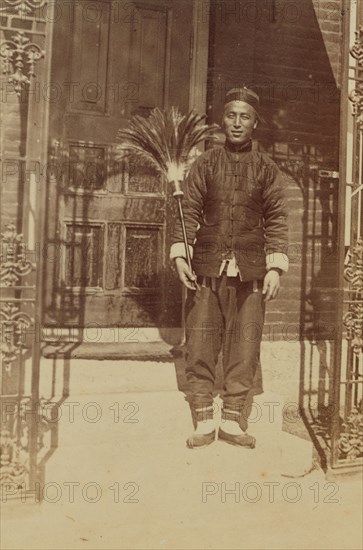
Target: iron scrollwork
(351, 438)
(13, 470)
(356, 95)
(13, 324)
(353, 319)
(14, 265)
(356, 50)
(351, 435)
(13, 259)
(23, 7)
(16, 54)
(14, 321)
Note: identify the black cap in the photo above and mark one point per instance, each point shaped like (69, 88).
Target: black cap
(244, 94)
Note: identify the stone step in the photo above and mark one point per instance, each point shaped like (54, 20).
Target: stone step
(280, 361)
(101, 351)
(58, 376)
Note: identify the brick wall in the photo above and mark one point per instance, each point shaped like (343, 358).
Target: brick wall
(289, 52)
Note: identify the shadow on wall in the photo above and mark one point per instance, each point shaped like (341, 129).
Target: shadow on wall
(124, 283)
(290, 54)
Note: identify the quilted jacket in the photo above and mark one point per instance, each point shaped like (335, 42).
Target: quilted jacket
(234, 205)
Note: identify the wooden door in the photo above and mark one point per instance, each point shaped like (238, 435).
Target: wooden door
(107, 223)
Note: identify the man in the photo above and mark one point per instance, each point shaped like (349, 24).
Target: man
(237, 233)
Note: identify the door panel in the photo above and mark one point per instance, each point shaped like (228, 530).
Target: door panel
(142, 255)
(84, 251)
(90, 56)
(109, 223)
(148, 55)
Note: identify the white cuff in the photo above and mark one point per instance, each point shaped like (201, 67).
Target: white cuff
(177, 250)
(277, 259)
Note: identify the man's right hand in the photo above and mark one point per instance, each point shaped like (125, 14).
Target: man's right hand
(187, 277)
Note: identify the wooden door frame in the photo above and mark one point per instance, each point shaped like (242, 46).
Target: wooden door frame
(199, 56)
(199, 46)
(199, 43)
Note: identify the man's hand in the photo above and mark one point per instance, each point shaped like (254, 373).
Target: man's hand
(186, 276)
(271, 285)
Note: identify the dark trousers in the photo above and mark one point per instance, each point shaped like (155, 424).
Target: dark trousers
(227, 316)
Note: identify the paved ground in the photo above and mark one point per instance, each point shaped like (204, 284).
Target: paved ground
(122, 478)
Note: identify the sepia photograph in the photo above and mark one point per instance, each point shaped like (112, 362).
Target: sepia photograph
(181, 274)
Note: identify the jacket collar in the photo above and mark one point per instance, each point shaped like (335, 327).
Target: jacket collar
(245, 147)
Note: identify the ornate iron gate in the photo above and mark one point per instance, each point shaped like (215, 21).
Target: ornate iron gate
(20, 352)
(346, 399)
(25, 417)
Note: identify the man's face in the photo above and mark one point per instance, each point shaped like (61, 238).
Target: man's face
(239, 121)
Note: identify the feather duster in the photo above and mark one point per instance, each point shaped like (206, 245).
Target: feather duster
(165, 140)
